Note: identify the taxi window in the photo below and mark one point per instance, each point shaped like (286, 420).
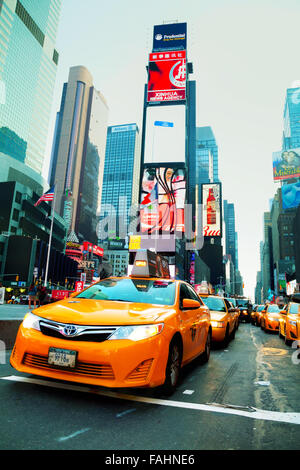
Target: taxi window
(132, 290)
(294, 309)
(273, 308)
(214, 303)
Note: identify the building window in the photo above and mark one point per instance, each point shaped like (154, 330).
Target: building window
(15, 215)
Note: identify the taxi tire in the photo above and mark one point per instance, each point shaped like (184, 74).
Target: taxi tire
(288, 342)
(204, 357)
(173, 367)
(226, 339)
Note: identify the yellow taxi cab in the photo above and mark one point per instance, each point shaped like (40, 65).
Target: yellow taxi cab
(224, 319)
(256, 314)
(134, 331)
(289, 323)
(234, 305)
(270, 316)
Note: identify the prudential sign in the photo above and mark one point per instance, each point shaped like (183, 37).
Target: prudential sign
(169, 37)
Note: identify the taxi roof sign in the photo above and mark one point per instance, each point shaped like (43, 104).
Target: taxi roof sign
(150, 264)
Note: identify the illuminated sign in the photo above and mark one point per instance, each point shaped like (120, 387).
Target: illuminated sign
(286, 164)
(211, 207)
(162, 200)
(169, 36)
(167, 76)
(96, 250)
(165, 140)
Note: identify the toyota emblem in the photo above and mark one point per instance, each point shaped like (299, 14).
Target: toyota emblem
(69, 330)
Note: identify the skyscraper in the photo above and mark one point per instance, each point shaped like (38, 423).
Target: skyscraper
(28, 63)
(291, 119)
(230, 233)
(78, 153)
(121, 172)
(207, 154)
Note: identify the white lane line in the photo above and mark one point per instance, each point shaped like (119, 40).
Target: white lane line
(265, 415)
(62, 439)
(120, 415)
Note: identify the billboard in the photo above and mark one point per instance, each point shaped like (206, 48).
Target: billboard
(162, 200)
(165, 134)
(166, 76)
(290, 195)
(211, 209)
(286, 164)
(169, 36)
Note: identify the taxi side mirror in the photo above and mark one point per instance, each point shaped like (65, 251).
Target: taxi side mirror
(283, 312)
(73, 294)
(188, 304)
(263, 311)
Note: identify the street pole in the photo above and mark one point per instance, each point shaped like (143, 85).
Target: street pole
(50, 240)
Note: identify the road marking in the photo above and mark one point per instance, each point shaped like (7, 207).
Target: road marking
(254, 413)
(62, 439)
(120, 415)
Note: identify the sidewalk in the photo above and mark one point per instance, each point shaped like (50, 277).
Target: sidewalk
(11, 317)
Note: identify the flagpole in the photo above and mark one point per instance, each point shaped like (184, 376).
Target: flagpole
(50, 239)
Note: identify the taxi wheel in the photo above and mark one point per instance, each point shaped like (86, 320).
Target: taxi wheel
(173, 368)
(204, 357)
(226, 338)
(288, 342)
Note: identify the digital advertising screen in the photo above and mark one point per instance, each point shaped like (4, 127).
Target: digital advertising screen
(169, 36)
(286, 164)
(211, 207)
(166, 76)
(162, 200)
(165, 134)
(290, 194)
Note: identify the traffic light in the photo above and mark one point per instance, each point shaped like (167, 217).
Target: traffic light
(17, 277)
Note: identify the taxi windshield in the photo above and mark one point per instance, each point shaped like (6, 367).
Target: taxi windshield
(294, 309)
(160, 292)
(273, 308)
(213, 303)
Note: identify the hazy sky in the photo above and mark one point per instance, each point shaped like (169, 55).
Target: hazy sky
(245, 54)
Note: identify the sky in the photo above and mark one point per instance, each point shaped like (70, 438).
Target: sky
(245, 55)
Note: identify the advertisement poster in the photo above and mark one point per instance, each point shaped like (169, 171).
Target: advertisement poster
(290, 195)
(169, 36)
(163, 199)
(286, 164)
(211, 206)
(165, 139)
(167, 76)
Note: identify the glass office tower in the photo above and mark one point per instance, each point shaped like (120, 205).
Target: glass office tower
(121, 173)
(207, 148)
(291, 119)
(28, 63)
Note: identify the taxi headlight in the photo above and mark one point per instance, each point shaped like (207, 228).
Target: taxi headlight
(217, 324)
(137, 332)
(31, 321)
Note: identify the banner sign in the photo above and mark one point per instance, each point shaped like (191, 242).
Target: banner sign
(163, 199)
(286, 164)
(167, 76)
(169, 36)
(211, 206)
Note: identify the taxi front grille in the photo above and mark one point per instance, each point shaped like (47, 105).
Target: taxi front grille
(85, 333)
(101, 371)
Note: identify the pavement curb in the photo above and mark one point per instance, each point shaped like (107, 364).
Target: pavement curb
(8, 332)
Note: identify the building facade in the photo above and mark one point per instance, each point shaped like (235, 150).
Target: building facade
(120, 188)
(28, 63)
(78, 153)
(207, 153)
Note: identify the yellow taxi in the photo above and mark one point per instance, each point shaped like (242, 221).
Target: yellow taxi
(224, 318)
(134, 331)
(270, 316)
(256, 314)
(289, 323)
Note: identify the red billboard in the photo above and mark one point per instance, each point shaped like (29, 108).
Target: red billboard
(167, 76)
(163, 199)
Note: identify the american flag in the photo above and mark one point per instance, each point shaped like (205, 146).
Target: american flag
(48, 196)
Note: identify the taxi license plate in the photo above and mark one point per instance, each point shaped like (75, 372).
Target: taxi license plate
(62, 357)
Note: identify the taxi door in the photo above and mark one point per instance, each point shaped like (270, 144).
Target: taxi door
(231, 315)
(191, 324)
(282, 321)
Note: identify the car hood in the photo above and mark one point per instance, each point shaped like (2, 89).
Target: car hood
(102, 312)
(219, 316)
(273, 314)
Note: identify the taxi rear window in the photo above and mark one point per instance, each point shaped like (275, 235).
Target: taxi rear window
(132, 290)
(213, 303)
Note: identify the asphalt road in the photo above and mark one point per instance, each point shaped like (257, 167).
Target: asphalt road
(246, 397)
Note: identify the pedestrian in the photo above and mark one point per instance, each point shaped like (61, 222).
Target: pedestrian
(32, 295)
